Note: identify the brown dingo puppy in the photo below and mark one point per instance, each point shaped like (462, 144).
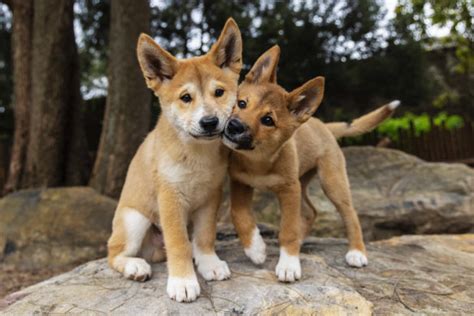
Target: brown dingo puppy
(278, 146)
(177, 174)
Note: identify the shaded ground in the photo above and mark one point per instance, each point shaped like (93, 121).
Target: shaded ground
(13, 279)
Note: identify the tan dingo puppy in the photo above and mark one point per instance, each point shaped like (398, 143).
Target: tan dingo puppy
(278, 146)
(177, 174)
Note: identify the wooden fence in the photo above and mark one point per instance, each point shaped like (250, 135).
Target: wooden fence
(439, 144)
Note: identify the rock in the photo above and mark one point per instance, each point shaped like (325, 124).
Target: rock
(394, 194)
(52, 228)
(406, 275)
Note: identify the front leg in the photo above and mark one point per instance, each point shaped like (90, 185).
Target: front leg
(288, 268)
(244, 221)
(204, 235)
(182, 281)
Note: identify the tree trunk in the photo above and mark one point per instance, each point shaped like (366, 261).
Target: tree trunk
(127, 116)
(56, 142)
(21, 51)
(78, 162)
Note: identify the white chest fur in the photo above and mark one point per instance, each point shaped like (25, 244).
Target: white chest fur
(196, 176)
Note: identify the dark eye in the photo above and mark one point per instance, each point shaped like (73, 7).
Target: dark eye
(267, 120)
(242, 104)
(186, 98)
(219, 92)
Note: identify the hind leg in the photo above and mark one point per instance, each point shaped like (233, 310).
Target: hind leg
(124, 245)
(153, 247)
(308, 210)
(333, 177)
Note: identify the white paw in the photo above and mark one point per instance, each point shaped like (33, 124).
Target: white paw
(137, 269)
(288, 268)
(356, 258)
(183, 289)
(256, 251)
(212, 268)
(209, 265)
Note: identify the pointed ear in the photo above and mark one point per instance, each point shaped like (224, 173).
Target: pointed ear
(304, 101)
(156, 63)
(227, 51)
(265, 68)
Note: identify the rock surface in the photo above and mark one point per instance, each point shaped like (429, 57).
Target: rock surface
(54, 227)
(394, 194)
(406, 275)
(45, 232)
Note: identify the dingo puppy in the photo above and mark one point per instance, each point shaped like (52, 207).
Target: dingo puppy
(177, 174)
(278, 146)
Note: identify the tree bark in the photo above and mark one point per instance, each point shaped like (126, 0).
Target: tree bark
(21, 51)
(78, 162)
(56, 144)
(127, 117)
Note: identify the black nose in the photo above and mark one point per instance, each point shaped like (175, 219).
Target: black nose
(235, 127)
(209, 123)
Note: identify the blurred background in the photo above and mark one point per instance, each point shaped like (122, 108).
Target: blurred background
(74, 107)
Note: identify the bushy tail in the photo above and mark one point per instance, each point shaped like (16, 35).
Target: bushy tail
(363, 124)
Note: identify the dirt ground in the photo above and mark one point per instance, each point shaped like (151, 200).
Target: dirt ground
(13, 279)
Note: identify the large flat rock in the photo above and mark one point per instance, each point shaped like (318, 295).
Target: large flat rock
(54, 227)
(394, 194)
(406, 275)
(44, 232)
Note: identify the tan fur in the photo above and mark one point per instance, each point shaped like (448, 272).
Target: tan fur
(362, 125)
(283, 158)
(176, 178)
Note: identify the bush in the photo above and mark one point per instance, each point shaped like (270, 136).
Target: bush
(421, 123)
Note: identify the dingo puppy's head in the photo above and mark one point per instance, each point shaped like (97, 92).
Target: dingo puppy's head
(197, 94)
(266, 115)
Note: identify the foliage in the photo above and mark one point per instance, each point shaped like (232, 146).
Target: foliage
(339, 39)
(453, 14)
(334, 38)
(397, 72)
(457, 16)
(311, 32)
(93, 16)
(421, 123)
(6, 83)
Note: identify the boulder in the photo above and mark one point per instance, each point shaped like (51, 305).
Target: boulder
(46, 231)
(394, 194)
(406, 275)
